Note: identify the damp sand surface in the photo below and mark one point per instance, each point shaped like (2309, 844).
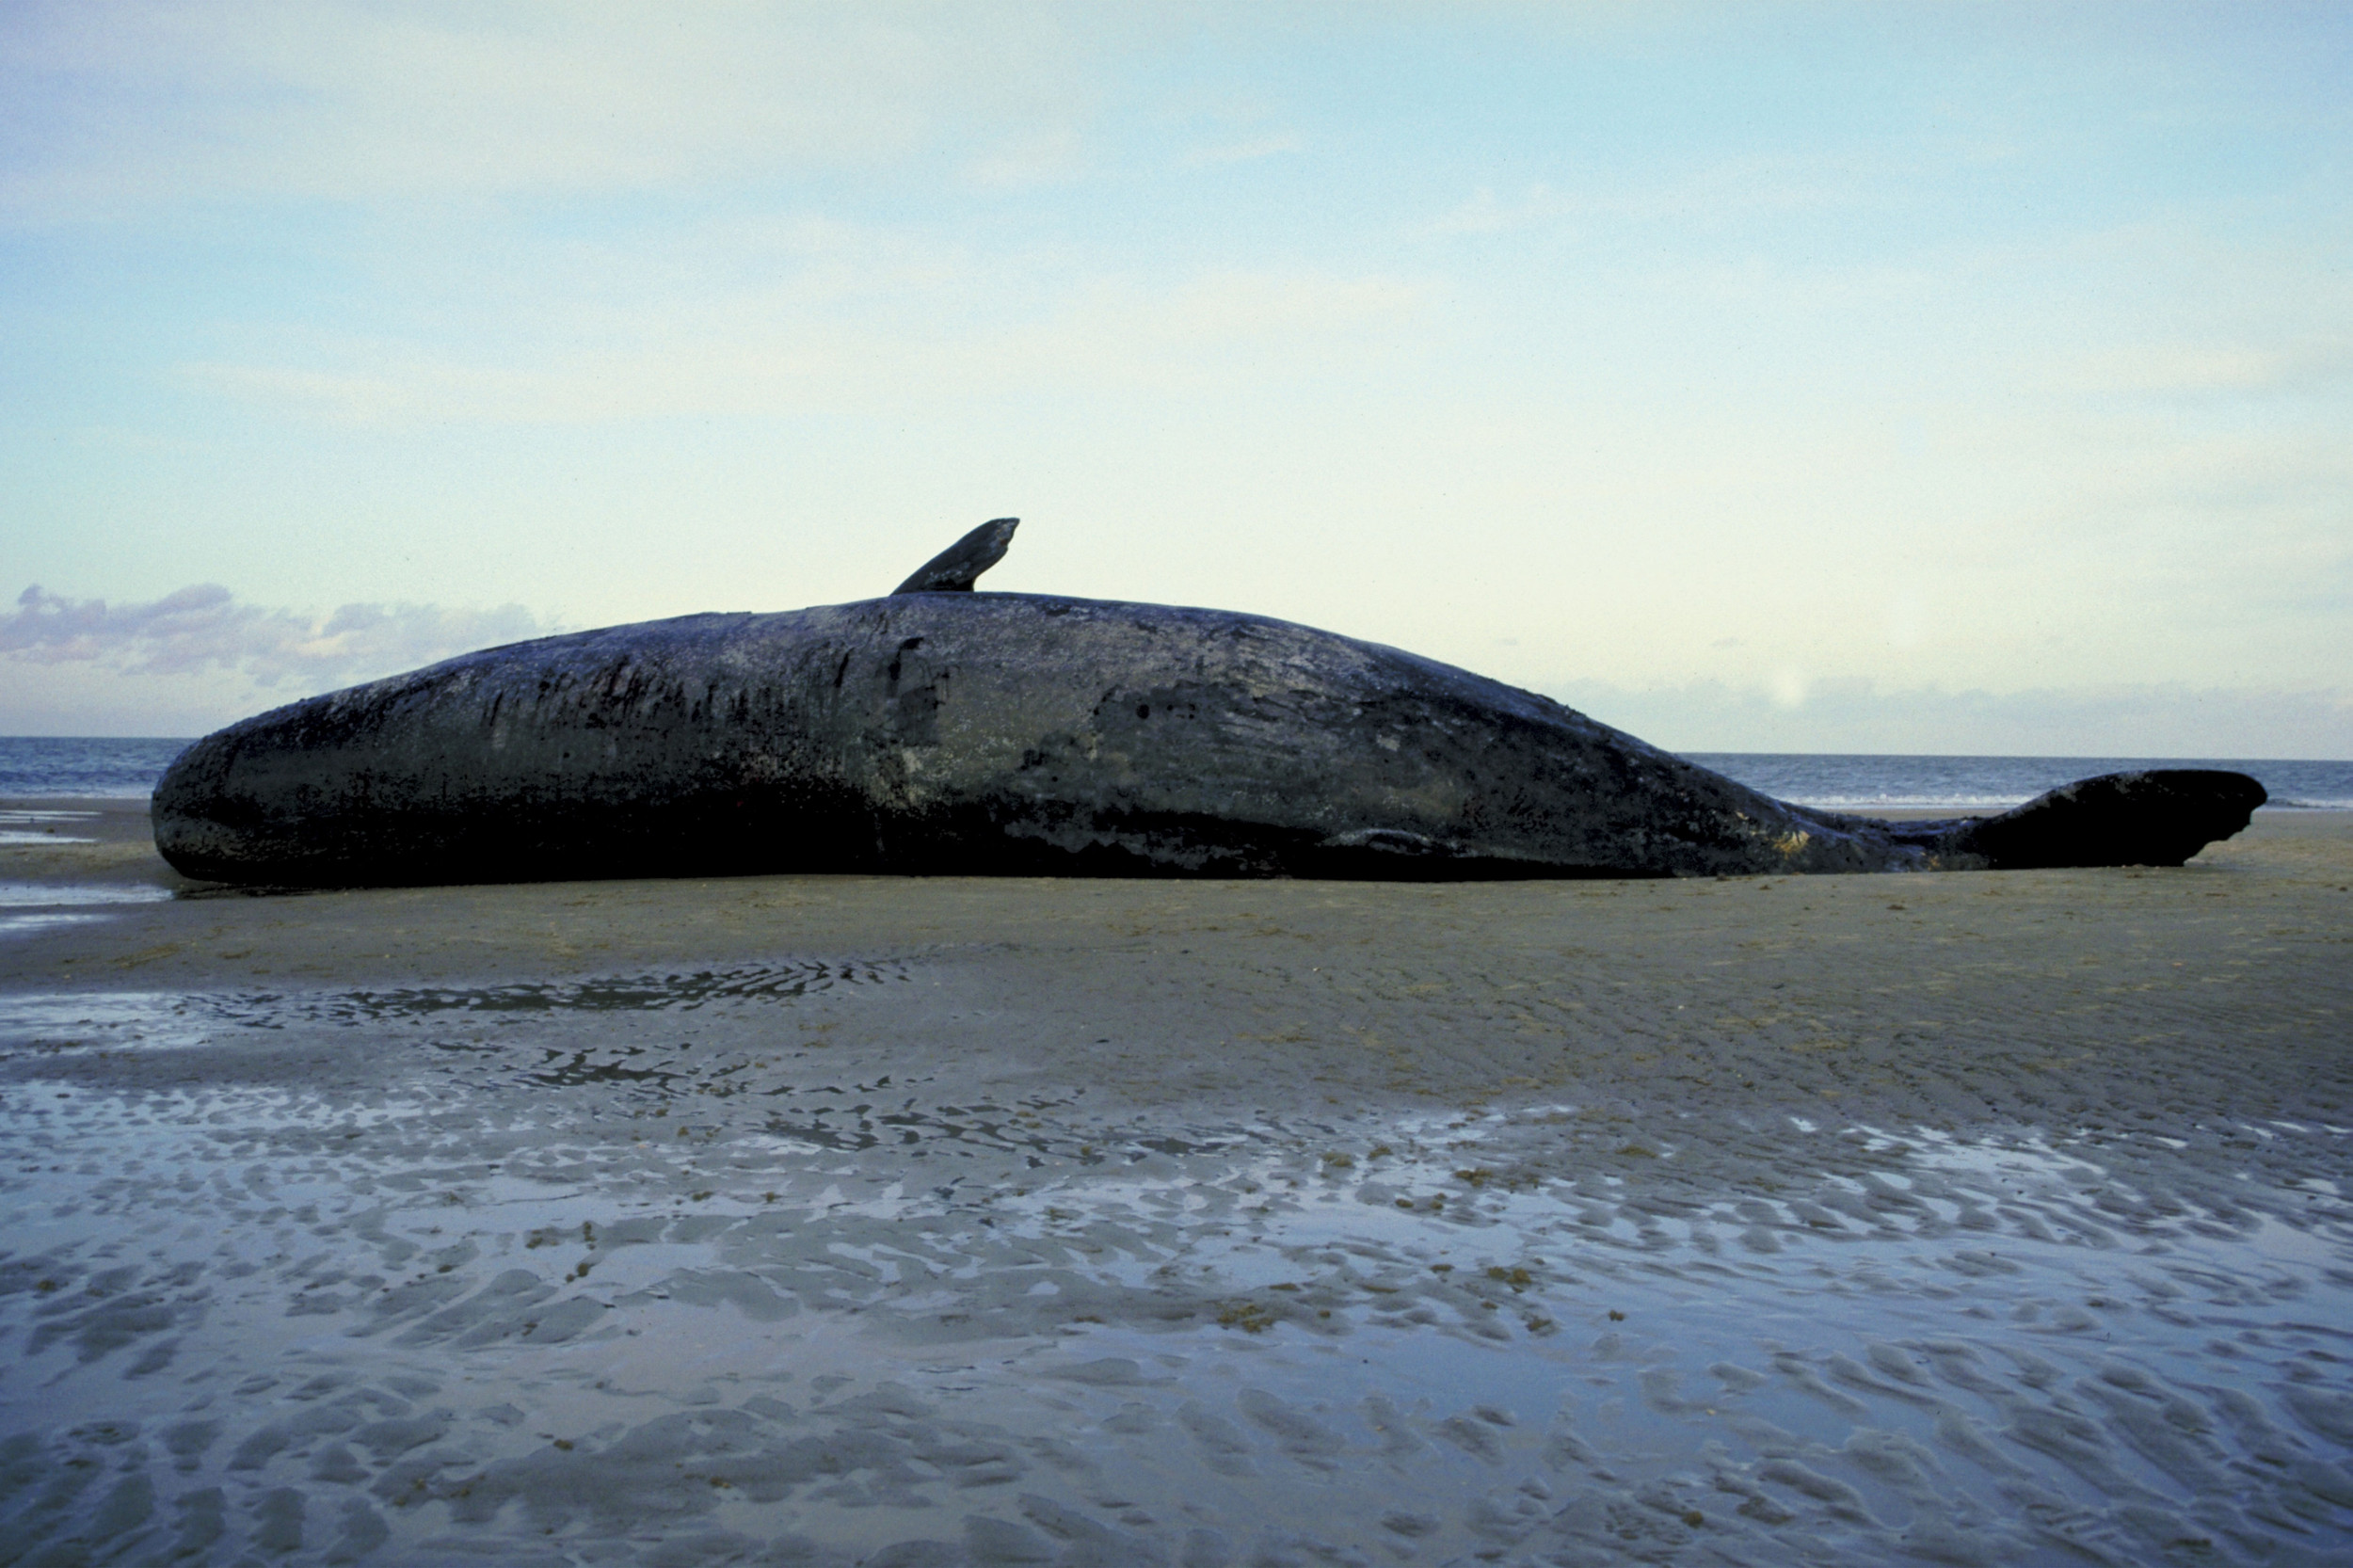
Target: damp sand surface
(1994, 1218)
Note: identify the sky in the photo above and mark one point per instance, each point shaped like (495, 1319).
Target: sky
(1963, 378)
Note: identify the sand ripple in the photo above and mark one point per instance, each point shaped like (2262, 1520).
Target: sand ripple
(645, 1267)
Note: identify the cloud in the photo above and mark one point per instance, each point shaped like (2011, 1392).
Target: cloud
(1714, 196)
(828, 345)
(1241, 152)
(158, 101)
(1862, 716)
(204, 628)
(1042, 157)
(2307, 364)
(1483, 215)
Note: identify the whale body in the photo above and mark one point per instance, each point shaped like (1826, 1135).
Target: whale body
(942, 730)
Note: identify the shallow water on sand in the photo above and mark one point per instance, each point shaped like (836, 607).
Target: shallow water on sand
(628, 1268)
(44, 827)
(31, 907)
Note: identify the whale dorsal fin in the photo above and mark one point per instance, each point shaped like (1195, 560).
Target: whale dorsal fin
(954, 570)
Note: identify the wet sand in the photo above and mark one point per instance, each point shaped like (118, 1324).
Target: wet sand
(1989, 1218)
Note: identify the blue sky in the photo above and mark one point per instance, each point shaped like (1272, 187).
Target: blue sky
(1903, 377)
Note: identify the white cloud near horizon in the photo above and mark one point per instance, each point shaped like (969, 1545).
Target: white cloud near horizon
(1862, 717)
(204, 630)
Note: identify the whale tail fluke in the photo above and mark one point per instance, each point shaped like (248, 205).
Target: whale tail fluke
(954, 570)
(2160, 817)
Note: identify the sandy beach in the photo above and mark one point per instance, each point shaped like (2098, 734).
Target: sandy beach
(1980, 1218)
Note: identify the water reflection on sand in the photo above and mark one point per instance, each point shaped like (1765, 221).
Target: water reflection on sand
(44, 827)
(30, 908)
(624, 1267)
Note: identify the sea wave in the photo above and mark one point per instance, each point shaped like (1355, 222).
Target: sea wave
(106, 766)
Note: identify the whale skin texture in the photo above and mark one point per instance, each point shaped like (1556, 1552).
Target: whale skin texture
(1024, 734)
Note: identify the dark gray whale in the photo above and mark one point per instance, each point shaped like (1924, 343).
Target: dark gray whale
(944, 730)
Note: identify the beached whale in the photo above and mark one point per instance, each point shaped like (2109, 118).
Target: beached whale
(944, 730)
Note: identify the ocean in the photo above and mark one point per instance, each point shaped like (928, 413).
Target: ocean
(1865, 784)
(127, 769)
(109, 766)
